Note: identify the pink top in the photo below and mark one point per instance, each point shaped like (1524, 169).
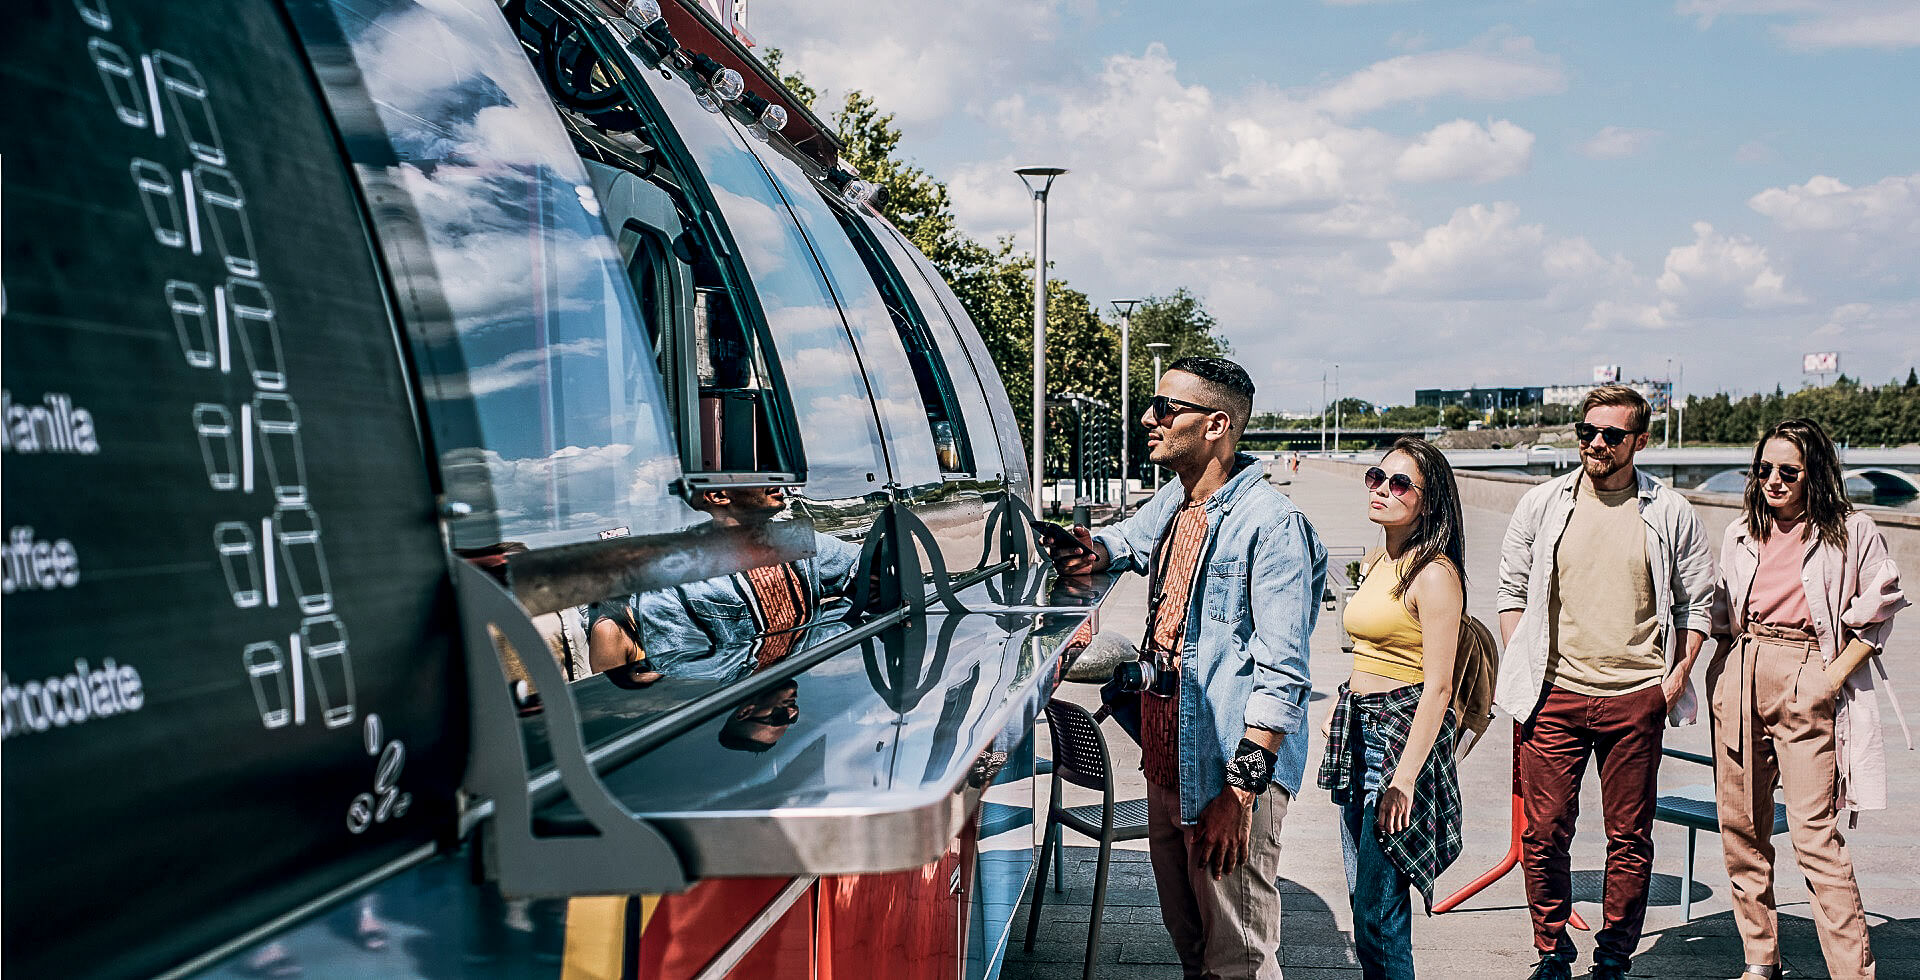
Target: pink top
(1778, 598)
(1853, 592)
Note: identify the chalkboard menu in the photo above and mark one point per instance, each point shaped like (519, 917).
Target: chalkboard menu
(230, 680)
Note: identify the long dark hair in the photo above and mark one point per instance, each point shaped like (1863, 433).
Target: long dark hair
(1441, 531)
(1827, 503)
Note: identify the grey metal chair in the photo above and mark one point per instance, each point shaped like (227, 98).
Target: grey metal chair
(1080, 757)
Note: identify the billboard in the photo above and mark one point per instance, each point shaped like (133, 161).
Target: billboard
(1606, 374)
(1825, 362)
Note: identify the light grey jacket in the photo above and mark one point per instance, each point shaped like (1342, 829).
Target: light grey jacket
(1678, 555)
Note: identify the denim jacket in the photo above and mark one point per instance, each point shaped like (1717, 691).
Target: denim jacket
(1678, 556)
(1243, 660)
(682, 627)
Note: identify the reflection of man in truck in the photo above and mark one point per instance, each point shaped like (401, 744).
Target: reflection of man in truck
(667, 630)
(757, 723)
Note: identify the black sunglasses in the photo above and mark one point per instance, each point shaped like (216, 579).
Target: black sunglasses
(1789, 473)
(1398, 484)
(1585, 431)
(1162, 408)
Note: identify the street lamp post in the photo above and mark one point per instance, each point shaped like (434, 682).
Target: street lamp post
(1045, 176)
(1666, 433)
(1676, 408)
(1336, 408)
(1157, 350)
(1125, 306)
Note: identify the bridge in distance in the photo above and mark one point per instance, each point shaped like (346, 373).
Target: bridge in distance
(1894, 473)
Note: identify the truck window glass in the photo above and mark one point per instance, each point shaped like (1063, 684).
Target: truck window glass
(903, 414)
(831, 402)
(953, 400)
(547, 410)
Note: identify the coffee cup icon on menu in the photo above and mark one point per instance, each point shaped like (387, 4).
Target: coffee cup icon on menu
(233, 541)
(259, 335)
(278, 419)
(214, 425)
(267, 671)
(331, 668)
(298, 529)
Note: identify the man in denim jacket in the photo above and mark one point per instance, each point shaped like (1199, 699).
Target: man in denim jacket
(1237, 574)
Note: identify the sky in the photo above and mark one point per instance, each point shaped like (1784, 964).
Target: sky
(1434, 194)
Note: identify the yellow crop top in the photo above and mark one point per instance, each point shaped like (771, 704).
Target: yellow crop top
(1386, 637)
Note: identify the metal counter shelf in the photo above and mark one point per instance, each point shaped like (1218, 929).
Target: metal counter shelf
(895, 739)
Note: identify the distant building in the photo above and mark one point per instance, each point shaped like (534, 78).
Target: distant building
(1477, 399)
(1657, 393)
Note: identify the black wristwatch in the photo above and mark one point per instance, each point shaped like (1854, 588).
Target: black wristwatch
(1251, 767)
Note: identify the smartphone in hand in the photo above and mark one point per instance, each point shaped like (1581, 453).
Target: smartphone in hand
(1059, 537)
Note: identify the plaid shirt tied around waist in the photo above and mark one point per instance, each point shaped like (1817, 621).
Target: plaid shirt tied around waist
(1432, 839)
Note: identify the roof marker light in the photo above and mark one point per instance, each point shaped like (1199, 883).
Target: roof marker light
(768, 117)
(641, 13)
(727, 85)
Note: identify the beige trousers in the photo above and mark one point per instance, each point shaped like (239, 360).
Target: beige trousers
(1227, 929)
(1773, 726)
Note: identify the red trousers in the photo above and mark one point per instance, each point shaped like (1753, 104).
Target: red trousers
(1551, 749)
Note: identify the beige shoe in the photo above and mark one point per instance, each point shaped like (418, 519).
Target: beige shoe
(1757, 972)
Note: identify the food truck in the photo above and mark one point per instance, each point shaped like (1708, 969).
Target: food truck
(357, 355)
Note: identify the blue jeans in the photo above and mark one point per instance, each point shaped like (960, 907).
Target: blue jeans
(1382, 903)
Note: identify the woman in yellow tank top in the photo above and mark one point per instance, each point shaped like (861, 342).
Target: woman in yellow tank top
(1390, 736)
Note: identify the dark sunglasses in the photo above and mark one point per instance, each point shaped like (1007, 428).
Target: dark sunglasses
(1162, 408)
(1585, 431)
(1398, 484)
(1789, 473)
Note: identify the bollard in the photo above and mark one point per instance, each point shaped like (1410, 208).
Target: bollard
(1080, 518)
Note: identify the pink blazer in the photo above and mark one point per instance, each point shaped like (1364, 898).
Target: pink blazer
(1852, 592)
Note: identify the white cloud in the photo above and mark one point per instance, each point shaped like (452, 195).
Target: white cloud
(1487, 252)
(1822, 24)
(926, 64)
(1826, 204)
(1496, 71)
(1616, 142)
(1612, 314)
(1721, 275)
(1467, 150)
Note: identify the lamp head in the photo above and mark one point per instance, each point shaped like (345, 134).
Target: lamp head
(1045, 175)
(1125, 306)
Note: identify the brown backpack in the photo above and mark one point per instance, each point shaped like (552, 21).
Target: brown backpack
(1476, 664)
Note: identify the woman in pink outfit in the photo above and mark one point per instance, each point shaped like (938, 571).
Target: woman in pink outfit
(1807, 595)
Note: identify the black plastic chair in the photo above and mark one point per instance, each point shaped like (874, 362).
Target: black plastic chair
(1080, 757)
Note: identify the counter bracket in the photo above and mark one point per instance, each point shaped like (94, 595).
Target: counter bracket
(916, 545)
(625, 855)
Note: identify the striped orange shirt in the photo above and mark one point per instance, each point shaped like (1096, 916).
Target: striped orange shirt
(783, 606)
(1160, 717)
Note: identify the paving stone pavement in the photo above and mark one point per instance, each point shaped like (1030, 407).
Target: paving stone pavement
(1488, 937)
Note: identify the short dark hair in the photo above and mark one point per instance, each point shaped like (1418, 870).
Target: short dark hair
(1230, 380)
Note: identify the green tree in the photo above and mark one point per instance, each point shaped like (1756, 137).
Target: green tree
(995, 284)
(1181, 321)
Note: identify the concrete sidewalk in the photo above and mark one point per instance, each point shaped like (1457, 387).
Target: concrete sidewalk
(1489, 937)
